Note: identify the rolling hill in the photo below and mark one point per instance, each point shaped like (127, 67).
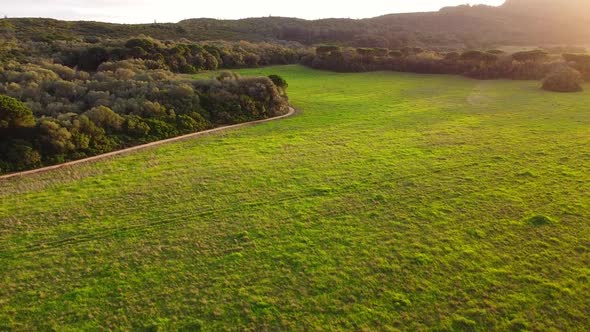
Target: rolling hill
(516, 22)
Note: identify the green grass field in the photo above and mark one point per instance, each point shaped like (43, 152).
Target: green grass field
(391, 202)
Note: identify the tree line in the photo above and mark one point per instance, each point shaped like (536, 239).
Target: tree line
(97, 95)
(191, 57)
(489, 64)
(181, 56)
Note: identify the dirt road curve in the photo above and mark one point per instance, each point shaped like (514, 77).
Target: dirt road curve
(292, 111)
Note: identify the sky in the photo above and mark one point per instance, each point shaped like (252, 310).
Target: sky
(147, 11)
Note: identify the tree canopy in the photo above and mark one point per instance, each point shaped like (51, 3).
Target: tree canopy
(14, 114)
(50, 113)
(530, 56)
(564, 79)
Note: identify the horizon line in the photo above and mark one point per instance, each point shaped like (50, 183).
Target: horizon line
(3, 16)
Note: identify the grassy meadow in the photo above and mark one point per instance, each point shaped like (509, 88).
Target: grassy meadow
(390, 202)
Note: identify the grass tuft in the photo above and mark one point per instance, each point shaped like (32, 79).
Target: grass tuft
(541, 220)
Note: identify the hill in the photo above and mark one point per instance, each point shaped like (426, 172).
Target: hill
(516, 22)
(392, 202)
(564, 10)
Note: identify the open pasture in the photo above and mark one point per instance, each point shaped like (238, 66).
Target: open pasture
(391, 202)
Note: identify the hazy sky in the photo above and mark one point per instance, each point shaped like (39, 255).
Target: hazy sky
(134, 11)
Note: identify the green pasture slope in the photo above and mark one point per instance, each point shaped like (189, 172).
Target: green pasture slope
(392, 202)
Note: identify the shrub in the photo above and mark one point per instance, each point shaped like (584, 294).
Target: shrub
(322, 50)
(541, 220)
(104, 117)
(279, 81)
(583, 59)
(478, 56)
(396, 54)
(530, 56)
(227, 75)
(452, 56)
(14, 114)
(580, 62)
(563, 80)
(19, 154)
(496, 52)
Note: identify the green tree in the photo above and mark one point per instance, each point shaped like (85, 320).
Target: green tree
(91, 58)
(19, 155)
(55, 137)
(190, 123)
(530, 56)
(279, 81)
(564, 80)
(142, 43)
(135, 126)
(325, 50)
(104, 117)
(580, 62)
(479, 57)
(14, 114)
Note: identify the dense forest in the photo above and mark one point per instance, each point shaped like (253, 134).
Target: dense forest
(177, 56)
(51, 113)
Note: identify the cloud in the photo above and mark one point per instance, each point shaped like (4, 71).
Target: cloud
(70, 9)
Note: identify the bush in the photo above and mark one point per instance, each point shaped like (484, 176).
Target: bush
(563, 80)
(14, 114)
(279, 81)
(18, 154)
(104, 117)
(541, 220)
(530, 56)
(227, 76)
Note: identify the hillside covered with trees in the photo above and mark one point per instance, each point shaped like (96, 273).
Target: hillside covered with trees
(523, 22)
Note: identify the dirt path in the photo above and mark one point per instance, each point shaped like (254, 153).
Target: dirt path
(292, 111)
